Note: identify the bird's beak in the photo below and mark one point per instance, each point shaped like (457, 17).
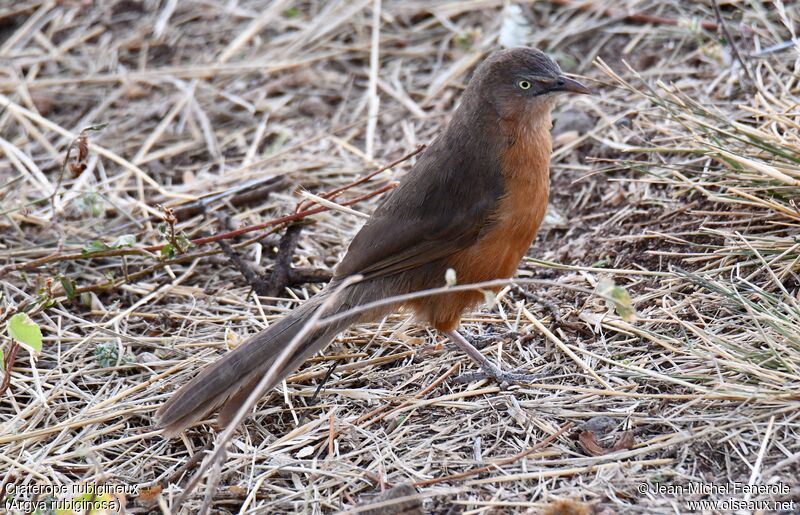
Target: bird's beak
(568, 85)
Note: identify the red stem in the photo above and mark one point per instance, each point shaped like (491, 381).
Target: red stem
(8, 365)
(276, 221)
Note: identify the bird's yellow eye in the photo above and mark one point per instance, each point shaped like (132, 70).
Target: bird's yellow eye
(524, 84)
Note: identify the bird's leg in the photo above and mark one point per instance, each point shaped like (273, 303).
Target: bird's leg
(481, 341)
(489, 368)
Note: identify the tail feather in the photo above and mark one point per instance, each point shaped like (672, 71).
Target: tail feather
(228, 381)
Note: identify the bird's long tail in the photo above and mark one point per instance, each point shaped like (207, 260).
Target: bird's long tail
(228, 382)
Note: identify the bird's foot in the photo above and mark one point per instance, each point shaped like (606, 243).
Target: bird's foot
(505, 379)
(488, 369)
(484, 340)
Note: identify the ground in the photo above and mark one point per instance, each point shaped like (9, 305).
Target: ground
(659, 301)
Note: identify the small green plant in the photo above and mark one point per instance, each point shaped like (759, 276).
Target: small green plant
(179, 243)
(107, 355)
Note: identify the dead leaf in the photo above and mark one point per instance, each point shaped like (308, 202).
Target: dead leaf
(590, 445)
(76, 169)
(82, 144)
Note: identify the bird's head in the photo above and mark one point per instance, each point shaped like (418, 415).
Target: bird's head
(521, 82)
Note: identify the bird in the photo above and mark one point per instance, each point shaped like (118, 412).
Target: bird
(472, 203)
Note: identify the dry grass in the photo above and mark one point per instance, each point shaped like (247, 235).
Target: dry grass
(678, 180)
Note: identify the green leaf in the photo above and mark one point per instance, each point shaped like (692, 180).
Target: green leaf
(183, 242)
(168, 251)
(2, 358)
(126, 240)
(618, 298)
(25, 331)
(95, 246)
(292, 12)
(68, 285)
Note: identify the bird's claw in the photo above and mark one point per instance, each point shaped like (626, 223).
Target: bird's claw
(505, 379)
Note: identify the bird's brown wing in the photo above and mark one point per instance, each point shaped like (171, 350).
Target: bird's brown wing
(440, 208)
